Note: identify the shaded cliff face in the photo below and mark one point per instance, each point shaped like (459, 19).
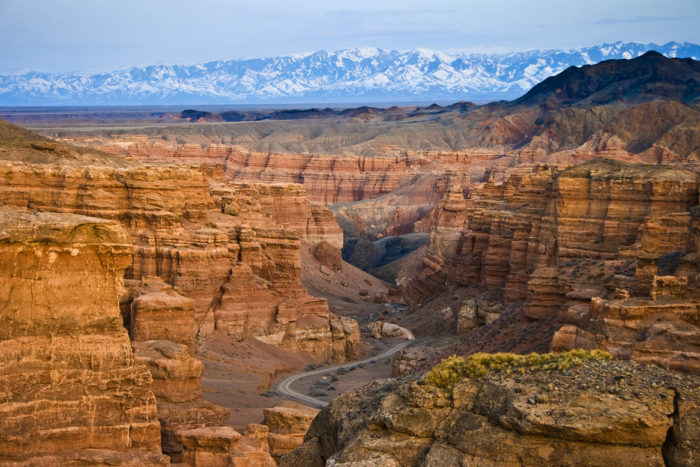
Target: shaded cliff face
(62, 330)
(595, 414)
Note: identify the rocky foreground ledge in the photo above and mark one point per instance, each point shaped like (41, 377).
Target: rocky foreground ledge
(571, 409)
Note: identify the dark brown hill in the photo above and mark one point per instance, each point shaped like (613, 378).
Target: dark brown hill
(648, 77)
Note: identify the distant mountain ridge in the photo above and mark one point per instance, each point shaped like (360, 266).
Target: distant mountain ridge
(648, 77)
(350, 75)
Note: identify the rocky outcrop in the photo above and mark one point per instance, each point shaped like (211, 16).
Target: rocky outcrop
(70, 388)
(205, 242)
(286, 205)
(664, 331)
(474, 313)
(381, 329)
(192, 264)
(223, 446)
(595, 413)
(487, 239)
(544, 232)
(288, 424)
(551, 241)
(155, 311)
(177, 375)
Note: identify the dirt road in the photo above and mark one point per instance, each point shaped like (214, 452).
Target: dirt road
(284, 386)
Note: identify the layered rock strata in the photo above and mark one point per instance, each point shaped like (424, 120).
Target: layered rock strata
(223, 447)
(153, 310)
(288, 424)
(328, 178)
(596, 414)
(552, 240)
(70, 388)
(503, 233)
(203, 242)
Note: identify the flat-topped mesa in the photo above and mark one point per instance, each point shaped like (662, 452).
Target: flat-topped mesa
(62, 330)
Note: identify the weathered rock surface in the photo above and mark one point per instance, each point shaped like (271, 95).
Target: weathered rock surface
(205, 242)
(223, 446)
(552, 240)
(381, 329)
(192, 251)
(288, 424)
(328, 179)
(665, 332)
(285, 205)
(70, 388)
(599, 413)
(160, 313)
(177, 375)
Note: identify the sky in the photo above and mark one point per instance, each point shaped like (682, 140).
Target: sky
(103, 35)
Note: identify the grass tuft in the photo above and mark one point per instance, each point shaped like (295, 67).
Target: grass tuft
(452, 370)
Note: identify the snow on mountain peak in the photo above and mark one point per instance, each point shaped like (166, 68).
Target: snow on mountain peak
(360, 74)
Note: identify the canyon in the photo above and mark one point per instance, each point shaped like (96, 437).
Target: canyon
(534, 284)
(173, 261)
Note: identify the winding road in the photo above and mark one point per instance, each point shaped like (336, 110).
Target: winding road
(285, 386)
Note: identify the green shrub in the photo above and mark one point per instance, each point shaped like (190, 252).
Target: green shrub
(453, 369)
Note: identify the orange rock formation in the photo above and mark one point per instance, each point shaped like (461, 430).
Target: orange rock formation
(554, 240)
(206, 242)
(70, 388)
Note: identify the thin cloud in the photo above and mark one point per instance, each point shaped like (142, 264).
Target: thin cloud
(388, 12)
(641, 19)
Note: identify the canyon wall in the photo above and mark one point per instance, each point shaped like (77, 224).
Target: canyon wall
(327, 178)
(553, 240)
(219, 246)
(70, 388)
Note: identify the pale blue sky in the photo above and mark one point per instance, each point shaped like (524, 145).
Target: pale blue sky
(101, 35)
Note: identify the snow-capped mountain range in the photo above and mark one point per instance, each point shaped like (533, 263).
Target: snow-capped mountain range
(359, 75)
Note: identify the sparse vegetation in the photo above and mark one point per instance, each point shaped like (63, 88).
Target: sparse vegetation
(453, 369)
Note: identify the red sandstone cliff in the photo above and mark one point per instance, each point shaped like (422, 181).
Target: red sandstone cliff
(553, 240)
